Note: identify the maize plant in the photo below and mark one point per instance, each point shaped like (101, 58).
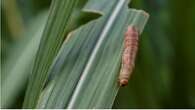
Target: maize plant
(94, 54)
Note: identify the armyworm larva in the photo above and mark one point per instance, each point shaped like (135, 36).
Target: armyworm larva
(129, 54)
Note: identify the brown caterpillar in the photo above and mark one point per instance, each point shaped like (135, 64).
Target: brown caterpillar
(129, 55)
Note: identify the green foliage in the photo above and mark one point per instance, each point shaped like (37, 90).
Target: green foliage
(61, 17)
(85, 62)
(164, 71)
(78, 83)
(21, 62)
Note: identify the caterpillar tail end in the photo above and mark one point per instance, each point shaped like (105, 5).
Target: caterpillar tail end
(123, 82)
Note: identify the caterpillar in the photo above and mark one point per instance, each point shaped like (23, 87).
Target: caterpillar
(128, 55)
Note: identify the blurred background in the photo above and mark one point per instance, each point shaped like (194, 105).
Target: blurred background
(164, 76)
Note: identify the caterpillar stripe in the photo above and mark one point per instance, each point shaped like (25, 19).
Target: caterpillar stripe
(129, 55)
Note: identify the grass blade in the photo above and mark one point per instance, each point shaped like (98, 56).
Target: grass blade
(100, 85)
(62, 15)
(92, 57)
(17, 69)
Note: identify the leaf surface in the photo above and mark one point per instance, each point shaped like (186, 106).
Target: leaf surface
(64, 16)
(85, 72)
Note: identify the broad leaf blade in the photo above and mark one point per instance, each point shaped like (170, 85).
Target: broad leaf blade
(100, 85)
(59, 23)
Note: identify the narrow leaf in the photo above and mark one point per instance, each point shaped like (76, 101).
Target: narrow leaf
(18, 67)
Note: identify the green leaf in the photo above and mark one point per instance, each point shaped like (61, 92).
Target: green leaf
(17, 68)
(85, 72)
(63, 14)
